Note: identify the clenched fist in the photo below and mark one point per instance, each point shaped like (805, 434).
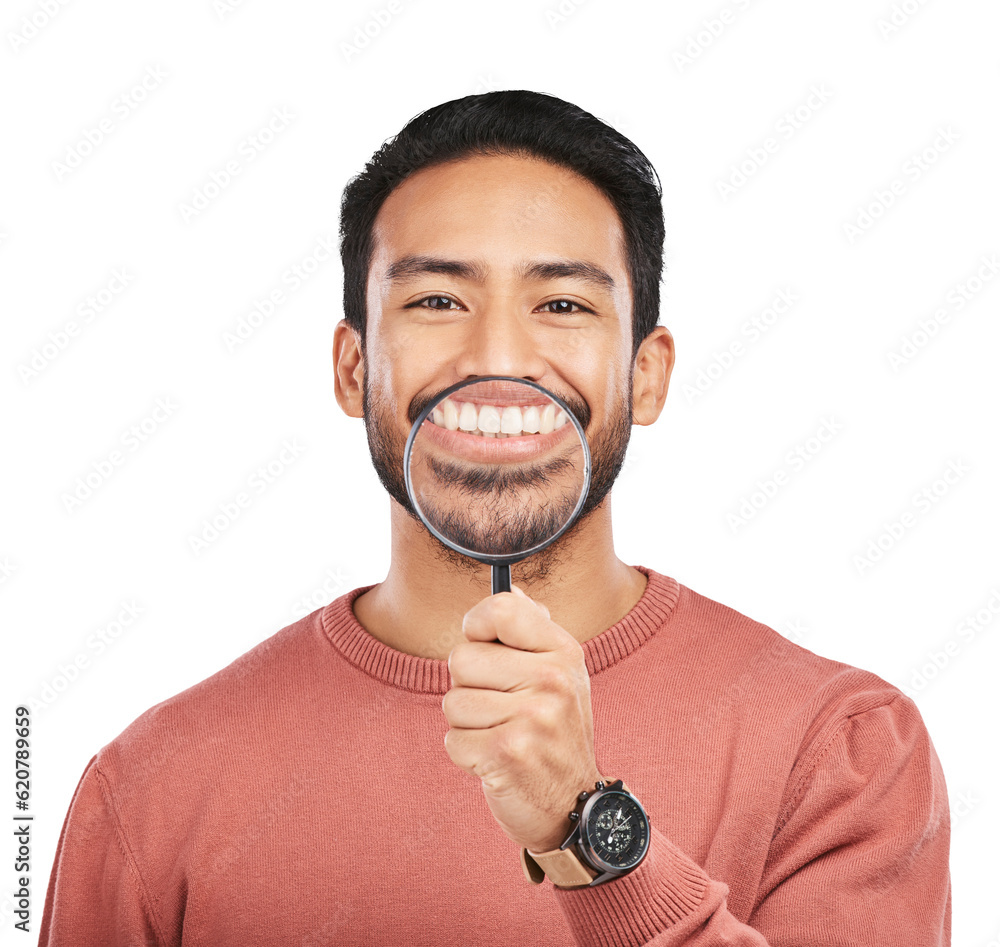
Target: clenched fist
(520, 717)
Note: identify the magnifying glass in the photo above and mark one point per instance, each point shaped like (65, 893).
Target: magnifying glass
(497, 468)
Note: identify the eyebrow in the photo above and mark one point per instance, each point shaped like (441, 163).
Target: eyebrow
(411, 267)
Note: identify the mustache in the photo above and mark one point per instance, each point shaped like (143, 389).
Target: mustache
(578, 406)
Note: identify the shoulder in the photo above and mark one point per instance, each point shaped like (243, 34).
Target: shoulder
(736, 639)
(183, 732)
(775, 675)
(821, 715)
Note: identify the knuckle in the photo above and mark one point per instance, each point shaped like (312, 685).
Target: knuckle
(515, 747)
(554, 679)
(544, 716)
(501, 607)
(448, 703)
(457, 661)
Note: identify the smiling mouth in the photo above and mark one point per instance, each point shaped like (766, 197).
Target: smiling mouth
(497, 420)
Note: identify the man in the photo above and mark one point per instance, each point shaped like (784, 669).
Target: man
(400, 765)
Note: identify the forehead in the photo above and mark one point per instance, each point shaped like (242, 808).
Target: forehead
(501, 208)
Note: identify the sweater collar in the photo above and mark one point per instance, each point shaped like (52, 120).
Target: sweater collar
(430, 675)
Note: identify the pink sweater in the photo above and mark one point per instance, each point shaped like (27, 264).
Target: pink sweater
(303, 796)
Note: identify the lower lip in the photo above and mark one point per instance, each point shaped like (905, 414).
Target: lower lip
(497, 450)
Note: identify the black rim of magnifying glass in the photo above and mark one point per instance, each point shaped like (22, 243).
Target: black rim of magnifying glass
(479, 556)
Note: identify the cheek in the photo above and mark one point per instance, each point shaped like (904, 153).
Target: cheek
(595, 362)
(422, 348)
(393, 346)
(400, 365)
(382, 381)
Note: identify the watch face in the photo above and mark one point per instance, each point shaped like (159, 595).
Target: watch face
(617, 832)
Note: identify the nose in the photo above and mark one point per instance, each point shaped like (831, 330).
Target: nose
(501, 340)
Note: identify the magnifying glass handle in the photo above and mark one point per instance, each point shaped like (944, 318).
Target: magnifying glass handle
(501, 578)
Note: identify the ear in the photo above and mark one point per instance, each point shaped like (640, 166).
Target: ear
(348, 369)
(653, 364)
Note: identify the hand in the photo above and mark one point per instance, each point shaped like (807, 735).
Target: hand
(520, 717)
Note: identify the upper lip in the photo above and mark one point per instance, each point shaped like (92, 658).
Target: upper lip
(498, 393)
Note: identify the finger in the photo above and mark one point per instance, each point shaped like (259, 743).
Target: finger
(468, 748)
(490, 665)
(475, 708)
(515, 621)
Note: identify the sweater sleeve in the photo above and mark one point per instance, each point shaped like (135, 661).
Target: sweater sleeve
(859, 856)
(95, 896)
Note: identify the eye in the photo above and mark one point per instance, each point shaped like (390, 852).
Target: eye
(562, 307)
(435, 302)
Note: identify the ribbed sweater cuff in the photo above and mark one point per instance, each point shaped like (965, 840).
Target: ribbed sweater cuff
(626, 912)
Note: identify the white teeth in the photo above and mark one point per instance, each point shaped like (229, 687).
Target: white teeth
(450, 414)
(489, 418)
(467, 419)
(510, 422)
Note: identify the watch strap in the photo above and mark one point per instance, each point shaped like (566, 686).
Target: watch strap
(562, 866)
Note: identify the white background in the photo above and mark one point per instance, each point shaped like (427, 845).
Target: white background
(321, 527)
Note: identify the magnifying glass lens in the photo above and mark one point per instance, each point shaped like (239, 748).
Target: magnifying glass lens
(497, 468)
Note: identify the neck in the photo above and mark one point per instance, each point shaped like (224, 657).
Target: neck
(419, 607)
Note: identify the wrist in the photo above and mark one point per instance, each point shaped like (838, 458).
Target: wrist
(561, 825)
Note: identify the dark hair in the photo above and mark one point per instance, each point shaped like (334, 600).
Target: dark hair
(512, 122)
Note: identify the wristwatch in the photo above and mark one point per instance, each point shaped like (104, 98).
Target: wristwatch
(609, 838)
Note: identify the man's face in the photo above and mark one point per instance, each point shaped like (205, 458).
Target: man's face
(498, 266)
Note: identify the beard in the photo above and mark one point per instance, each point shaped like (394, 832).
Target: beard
(524, 526)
